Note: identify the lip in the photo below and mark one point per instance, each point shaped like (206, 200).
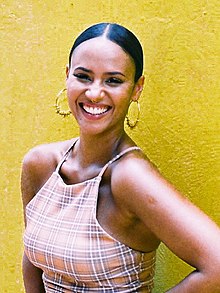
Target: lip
(94, 110)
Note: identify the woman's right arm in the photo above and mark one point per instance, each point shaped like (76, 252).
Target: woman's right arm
(32, 277)
(38, 164)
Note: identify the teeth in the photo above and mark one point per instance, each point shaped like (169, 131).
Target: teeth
(95, 110)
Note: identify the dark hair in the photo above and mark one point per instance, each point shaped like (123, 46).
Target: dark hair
(117, 34)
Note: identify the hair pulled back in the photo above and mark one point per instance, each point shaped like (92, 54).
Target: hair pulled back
(117, 34)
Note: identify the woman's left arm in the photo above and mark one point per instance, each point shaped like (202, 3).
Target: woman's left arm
(184, 228)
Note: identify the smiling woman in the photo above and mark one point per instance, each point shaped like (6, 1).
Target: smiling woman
(96, 209)
(101, 84)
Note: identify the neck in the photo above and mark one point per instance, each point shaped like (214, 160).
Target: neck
(99, 149)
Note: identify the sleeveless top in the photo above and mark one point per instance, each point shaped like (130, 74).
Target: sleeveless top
(64, 238)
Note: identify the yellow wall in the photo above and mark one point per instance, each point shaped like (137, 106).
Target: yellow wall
(179, 125)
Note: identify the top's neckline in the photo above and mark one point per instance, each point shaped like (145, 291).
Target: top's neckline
(99, 176)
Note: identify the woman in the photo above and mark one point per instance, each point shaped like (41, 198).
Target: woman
(96, 209)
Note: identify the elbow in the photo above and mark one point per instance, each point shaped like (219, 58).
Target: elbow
(212, 278)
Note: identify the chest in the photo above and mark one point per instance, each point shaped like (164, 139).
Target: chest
(64, 237)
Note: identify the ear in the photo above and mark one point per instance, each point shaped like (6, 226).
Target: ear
(138, 87)
(67, 71)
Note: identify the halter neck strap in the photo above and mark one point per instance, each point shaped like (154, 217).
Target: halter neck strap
(117, 157)
(67, 153)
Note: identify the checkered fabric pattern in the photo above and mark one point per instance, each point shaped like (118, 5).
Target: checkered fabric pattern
(65, 240)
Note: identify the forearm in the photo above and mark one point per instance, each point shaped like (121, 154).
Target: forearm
(32, 277)
(197, 282)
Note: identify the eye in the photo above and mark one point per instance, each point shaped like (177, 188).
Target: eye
(114, 81)
(82, 76)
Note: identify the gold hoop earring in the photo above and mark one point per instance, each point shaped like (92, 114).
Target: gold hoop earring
(130, 123)
(59, 100)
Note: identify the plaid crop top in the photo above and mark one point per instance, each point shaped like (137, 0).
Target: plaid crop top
(65, 240)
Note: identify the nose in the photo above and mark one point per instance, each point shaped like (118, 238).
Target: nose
(95, 93)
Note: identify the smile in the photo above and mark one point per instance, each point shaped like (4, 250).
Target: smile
(94, 110)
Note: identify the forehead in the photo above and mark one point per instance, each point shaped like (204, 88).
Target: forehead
(101, 50)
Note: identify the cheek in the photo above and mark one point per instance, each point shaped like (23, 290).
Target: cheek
(72, 89)
(126, 93)
(70, 84)
(71, 95)
(123, 100)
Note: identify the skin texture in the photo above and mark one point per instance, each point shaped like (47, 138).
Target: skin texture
(136, 205)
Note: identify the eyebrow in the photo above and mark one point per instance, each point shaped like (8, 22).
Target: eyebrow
(83, 69)
(90, 71)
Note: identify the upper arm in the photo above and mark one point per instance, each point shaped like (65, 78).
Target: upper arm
(185, 229)
(38, 164)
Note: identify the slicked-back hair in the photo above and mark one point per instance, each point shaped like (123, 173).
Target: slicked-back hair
(118, 35)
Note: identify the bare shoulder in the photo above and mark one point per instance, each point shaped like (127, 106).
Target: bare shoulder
(175, 220)
(146, 191)
(134, 167)
(137, 183)
(133, 176)
(45, 155)
(38, 165)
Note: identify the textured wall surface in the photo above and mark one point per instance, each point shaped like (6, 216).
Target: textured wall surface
(179, 128)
